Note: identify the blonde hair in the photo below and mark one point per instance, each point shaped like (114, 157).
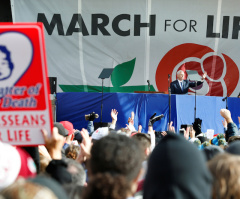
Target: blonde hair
(72, 151)
(22, 189)
(226, 172)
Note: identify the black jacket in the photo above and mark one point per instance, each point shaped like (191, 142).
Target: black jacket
(176, 89)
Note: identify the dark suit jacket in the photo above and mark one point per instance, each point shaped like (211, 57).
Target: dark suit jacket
(176, 88)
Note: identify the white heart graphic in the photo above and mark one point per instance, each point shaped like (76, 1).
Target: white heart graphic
(21, 54)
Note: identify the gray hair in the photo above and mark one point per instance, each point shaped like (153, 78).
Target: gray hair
(180, 71)
(77, 171)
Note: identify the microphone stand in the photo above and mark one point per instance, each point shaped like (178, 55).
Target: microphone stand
(226, 99)
(106, 73)
(195, 108)
(102, 102)
(148, 85)
(169, 98)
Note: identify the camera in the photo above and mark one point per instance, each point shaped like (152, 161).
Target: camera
(181, 131)
(91, 116)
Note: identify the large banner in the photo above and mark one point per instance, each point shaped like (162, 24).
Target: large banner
(141, 39)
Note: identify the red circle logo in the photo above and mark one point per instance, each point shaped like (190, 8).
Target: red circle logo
(222, 72)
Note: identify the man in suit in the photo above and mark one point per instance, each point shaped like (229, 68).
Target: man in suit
(181, 86)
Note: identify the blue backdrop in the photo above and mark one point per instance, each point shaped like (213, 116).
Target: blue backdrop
(73, 106)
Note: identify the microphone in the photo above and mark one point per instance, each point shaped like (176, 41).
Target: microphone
(169, 76)
(148, 85)
(225, 98)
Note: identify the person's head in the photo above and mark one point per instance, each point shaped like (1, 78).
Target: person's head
(51, 184)
(78, 136)
(144, 141)
(176, 169)
(6, 65)
(69, 127)
(72, 151)
(234, 148)
(233, 139)
(22, 189)
(180, 75)
(114, 167)
(238, 95)
(77, 172)
(211, 151)
(226, 173)
(15, 162)
(61, 130)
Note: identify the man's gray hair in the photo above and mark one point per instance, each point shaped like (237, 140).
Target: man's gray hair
(180, 71)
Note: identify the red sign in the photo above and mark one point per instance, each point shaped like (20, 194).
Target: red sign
(24, 92)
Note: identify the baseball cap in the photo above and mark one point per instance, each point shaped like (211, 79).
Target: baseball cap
(69, 126)
(14, 162)
(100, 133)
(61, 130)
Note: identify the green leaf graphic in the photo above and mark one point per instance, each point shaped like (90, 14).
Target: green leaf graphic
(122, 73)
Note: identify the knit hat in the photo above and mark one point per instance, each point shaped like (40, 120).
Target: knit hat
(220, 136)
(219, 140)
(177, 169)
(14, 162)
(214, 141)
(205, 144)
(61, 130)
(197, 143)
(222, 141)
(69, 126)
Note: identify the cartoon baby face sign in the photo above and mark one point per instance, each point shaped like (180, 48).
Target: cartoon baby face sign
(24, 93)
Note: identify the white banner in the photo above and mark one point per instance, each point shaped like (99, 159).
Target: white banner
(141, 39)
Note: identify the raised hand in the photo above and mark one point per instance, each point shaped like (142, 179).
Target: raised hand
(186, 133)
(86, 146)
(130, 129)
(192, 132)
(164, 133)
(131, 119)
(226, 114)
(139, 128)
(53, 143)
(114, 114)
(170, 127)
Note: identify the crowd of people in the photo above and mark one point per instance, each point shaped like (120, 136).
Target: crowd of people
(109, 163)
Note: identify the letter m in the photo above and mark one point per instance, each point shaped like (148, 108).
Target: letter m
(56, 20)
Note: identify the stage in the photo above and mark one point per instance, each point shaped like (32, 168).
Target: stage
(73, 106)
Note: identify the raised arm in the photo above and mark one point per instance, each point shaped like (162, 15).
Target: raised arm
(232, 129)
